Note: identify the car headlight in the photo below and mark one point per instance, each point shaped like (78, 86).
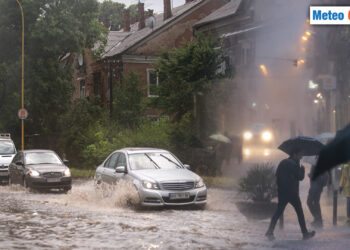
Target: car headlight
(247, 135)
(33, 173)
(150, 185)
(67, 173)
(266, 136)
(199, 183)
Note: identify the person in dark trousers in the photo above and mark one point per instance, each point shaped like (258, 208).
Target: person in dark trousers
(314, 196)
(288, 175)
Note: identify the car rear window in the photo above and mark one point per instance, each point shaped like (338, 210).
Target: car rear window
(7, 147)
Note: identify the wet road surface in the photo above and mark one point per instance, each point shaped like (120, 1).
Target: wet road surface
(87, 218)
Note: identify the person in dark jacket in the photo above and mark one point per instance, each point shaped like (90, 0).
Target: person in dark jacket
(314, 196)
(288, 175)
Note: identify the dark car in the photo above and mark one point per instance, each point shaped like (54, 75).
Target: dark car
(39, 169)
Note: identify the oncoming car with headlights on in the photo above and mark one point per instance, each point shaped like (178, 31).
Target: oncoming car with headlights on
(40, 169)
(257, 140)
(159, 177)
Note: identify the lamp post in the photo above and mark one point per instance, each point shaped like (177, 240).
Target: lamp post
(22, 99)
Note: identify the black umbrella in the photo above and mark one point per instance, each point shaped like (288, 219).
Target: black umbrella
(307, 145)
(334, 153)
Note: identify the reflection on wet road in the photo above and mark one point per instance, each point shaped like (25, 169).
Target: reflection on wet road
(85, 218)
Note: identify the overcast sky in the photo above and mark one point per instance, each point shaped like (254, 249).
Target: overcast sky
(156, 5)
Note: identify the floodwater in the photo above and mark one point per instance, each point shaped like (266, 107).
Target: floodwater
(87, 218)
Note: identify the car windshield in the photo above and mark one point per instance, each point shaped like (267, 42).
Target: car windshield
(42, 158)
(7, 147)
(153, 161)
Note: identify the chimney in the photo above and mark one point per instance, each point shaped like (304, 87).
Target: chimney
(149, 13)
(167, 9)
(141, 15)
(126, 20)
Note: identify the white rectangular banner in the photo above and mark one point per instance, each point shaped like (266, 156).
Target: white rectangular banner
(329, 15)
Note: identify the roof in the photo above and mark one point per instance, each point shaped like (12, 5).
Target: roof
(142, 150)
(118, 41)
(227, 10)
(37, 151)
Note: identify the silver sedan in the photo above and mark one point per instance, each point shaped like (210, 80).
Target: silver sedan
(160, 178)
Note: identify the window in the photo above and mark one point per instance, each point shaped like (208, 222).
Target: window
(121, 160)
(152, 83)
(111, 163)
(82, 88)
(245, 52)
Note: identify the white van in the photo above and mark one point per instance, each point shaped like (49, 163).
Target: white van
(7, 152)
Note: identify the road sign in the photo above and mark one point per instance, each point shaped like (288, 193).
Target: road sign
(22, 114)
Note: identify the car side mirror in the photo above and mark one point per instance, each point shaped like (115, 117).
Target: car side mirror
(19, 163)
(120, 169)
(65, 161)
(187, 166)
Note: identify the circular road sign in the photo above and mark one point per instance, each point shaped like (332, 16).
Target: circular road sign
(22, 114)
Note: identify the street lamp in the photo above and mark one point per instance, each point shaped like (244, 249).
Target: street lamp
(263, 69)
(22, 99)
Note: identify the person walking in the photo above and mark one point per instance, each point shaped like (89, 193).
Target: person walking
(288, 175)
(344, 185)
(314, 196)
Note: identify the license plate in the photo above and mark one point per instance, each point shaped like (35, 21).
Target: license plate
(177, 196)
(53, 179)
(4, 173)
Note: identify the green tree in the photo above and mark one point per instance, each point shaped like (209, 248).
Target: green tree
(128, 107)
(112, 12)
(186, 72)
(53, 29)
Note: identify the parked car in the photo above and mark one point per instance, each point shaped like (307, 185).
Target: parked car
(159, 176)
(7, 152)
(40, 169)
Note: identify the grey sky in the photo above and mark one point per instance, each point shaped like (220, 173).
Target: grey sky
(156, 5)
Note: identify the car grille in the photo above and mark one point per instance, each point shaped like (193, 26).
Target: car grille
(52, 174)
(167, 200)
(177, 185)
(3, 166)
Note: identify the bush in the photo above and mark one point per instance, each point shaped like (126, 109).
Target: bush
(260, 183)
(107, 140)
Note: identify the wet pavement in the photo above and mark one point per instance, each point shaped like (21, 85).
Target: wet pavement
(87, 218)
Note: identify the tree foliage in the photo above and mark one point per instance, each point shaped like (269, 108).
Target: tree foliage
(186, 72)
(53, 29)
(113, 13)
(128, 107)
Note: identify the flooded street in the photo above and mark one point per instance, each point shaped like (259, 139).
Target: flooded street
(84, 219)
(80, 220)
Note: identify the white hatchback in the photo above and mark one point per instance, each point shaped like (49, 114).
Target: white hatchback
(7, 152)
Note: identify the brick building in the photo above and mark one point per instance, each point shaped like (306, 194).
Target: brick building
(136, 46)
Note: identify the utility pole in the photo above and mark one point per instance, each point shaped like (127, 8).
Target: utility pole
(22, 99)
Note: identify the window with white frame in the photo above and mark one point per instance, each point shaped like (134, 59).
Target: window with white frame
(152, 83)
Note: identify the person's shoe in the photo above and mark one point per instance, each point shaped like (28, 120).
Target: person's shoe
(270, 236)
(308, 235)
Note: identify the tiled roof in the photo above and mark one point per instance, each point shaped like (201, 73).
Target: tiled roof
(118, 41)
(227, 10)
